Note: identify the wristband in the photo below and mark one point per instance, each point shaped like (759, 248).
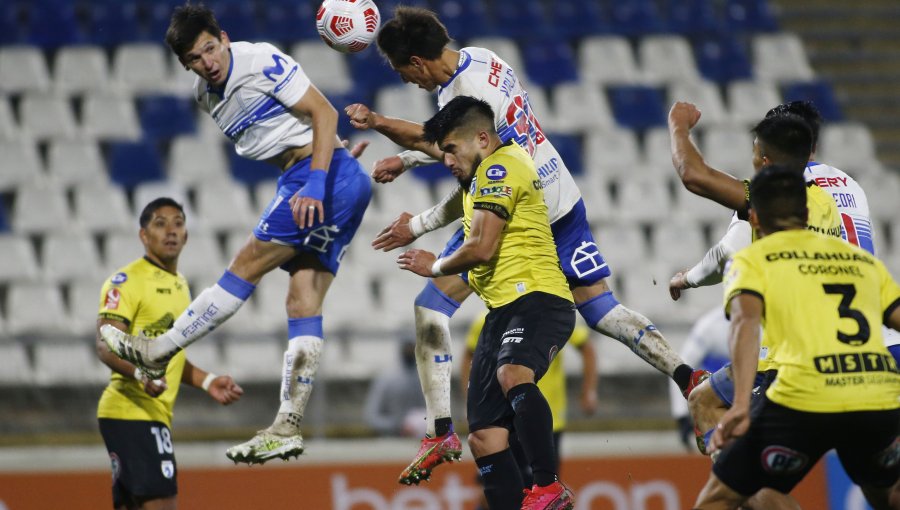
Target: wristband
(207, 381)
(138, 374)
(315, 185)
(416, 226)
(436, 267)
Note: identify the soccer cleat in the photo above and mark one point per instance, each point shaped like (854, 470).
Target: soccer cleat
(133, 349)
(697, 376)
(433, 452)
(265, 446)
(555, 496)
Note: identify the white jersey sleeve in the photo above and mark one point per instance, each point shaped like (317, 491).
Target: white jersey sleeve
(484, 75)
(709, 270)
(856, 225)
(254, 107)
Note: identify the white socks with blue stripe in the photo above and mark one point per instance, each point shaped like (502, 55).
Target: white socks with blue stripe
(298, 371)
(433, 361)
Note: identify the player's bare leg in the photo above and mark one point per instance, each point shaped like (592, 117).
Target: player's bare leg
(309, 283)
(718, 496)
(606, 315)
(433, 309)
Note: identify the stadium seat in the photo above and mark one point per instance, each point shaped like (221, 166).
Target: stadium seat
(131, 163)
(9, 129)
(140, 68)
(371, 72)
(115, 23)
(464, 19)
(610, 155)
(780, 58)
(666, 59)
(643, 199)
(84, 303)
(607, 60)
(201, 258)
(623, 246)
(224, 205)
(67, 363)
(507, 50)
(55, 24)
(572, 19)
(820, 93)
(405, 101)
(325, 67)
(102, 207)
(206, 355)
(549, 62)
(180, 81)
(249, 171)
(850, 147)
(17, 259)
(19, 165)
(749, 16)
(679, 243)
(80, 69)
(749, 100)
(263, 194)
(691, 17)
(253, 360)
(110, 117)
(646, 289)
(397, 290)
(289, 21)
(71, 162)
(238, 18)
(46, 116)
(40, 208)
(350, 299)
(194, 161)
(23, 69)
(148, 191)
(121, 248)
(271, 316)
(28, 306)
(165, 117)
(729, 149)
(15, 368)
(569, 149)
(519, 19)
(722, 58)
(638, 107)
(691, 207)
(635, 18)
(69, 256)
(580, 108)
(705, 95)
(404, 194)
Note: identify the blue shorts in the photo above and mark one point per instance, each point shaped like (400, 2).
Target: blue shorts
(347, 192)
(578, 253)
(722, 383)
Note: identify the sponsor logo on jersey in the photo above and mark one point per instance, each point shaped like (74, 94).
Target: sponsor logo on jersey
(781, 460)
(496, 191)
(163, 291)
(494, 75)
(113, 296)
(830, 182)
(515, 335)
(276, 69)
(168, 468)
(119, 278)
(495, 172)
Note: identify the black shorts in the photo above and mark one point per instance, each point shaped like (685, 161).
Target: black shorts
(530, 331)
(142, 459)
(784, 444)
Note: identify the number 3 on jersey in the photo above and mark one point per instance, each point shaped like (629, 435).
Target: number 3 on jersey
(847, 293)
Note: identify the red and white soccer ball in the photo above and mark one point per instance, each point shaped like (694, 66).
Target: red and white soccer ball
(348, 26)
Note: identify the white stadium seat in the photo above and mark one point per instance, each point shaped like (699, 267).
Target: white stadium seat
(69, 256)
(40, 208)
(848, 146)
(194, 161)
(148, 191)
(253, 360)
(679, 243)
(610, 154)
(404, 101)
(80, 69)
(67, 363)
(749, 100)
(607, 61)
(84, 303)
(73, 162)
(20, 164)
(17, 259)
(325, 67)
(224, 204)
(121, 248)
(23, 69)
(580, 108)
(643, 198)
(657, 148)
(667, 59)
(622, 245)
(141, 68)
(205, 354)
(349, 303)
(780, 57)
(705, 95)
(46, 116)
(9, 128)
(729, 149)
(109, 116)
(34, 308)
(201, 258)
(15, 369)
(102, 207)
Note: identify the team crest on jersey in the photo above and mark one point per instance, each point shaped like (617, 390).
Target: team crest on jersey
(113, 296)
(495, 172)
(119, 278)
(168, 468)
(780, 460)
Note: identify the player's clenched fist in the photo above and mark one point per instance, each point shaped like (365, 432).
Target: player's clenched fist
(387, 169)
(683, 115)
(417, 261)
(361, 117)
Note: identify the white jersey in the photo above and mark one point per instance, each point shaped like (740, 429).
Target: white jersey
(856, 227)
(484, 75)
(253, 110)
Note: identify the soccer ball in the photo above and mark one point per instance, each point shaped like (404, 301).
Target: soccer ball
(348, 26)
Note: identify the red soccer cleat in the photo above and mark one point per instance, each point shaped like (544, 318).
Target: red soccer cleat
(555, 496)
(433, 452)
(697, 376)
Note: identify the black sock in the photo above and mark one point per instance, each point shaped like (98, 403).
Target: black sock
(502, 481)
(682, 376)
(442, 426)
(534, 425)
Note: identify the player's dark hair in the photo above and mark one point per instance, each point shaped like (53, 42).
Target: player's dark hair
(804, 109)
(460, 111)
(156, 205)
(784, 139)
(187, 23)
(778, 195)
(412, 31)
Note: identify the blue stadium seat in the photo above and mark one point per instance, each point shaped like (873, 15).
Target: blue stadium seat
(636, 17)
(251, 172)
(131, 163)
(4, 215)
(820, 93)
(289, 20)
(569, 148)
(54, 24)
(549, 61)
(692, 17)
(722, 58)
(238, 19)
(572, 19)
(115, 22)
(164, 117)
(339, 101)
(521, 18)
(749, 16)
(432, 173)
(464, 19)
(638, 107)
(370, 71)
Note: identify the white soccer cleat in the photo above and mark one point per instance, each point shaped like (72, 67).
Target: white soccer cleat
(133, 349)
(265, 446)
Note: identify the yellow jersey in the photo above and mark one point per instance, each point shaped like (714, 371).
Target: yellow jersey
(507, 184)
(824, 303)
(147, 298)
(553, 384)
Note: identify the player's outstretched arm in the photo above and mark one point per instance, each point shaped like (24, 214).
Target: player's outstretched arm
(697, 176)
(710, 268)
(221, 388)
(407, 228)
(404, 133)
(153, 387)
(479, 247)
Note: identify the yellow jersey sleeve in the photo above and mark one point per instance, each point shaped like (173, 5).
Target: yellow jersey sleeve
(119, 299)
(742, 276)
(496, 188)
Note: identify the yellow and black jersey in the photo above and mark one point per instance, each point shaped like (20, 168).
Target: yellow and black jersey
(553, 384)
(824, 303)
(147, 298)
(824, 216)
(506, 183)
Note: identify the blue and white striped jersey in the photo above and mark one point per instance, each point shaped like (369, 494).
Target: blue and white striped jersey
(856, 227)
(253, 109)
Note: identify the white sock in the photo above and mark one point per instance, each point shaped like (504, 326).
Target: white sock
(433, 361)
(301, 361)
(209, 309)
(641, 336)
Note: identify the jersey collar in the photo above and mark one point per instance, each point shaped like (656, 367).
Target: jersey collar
(464, 60)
